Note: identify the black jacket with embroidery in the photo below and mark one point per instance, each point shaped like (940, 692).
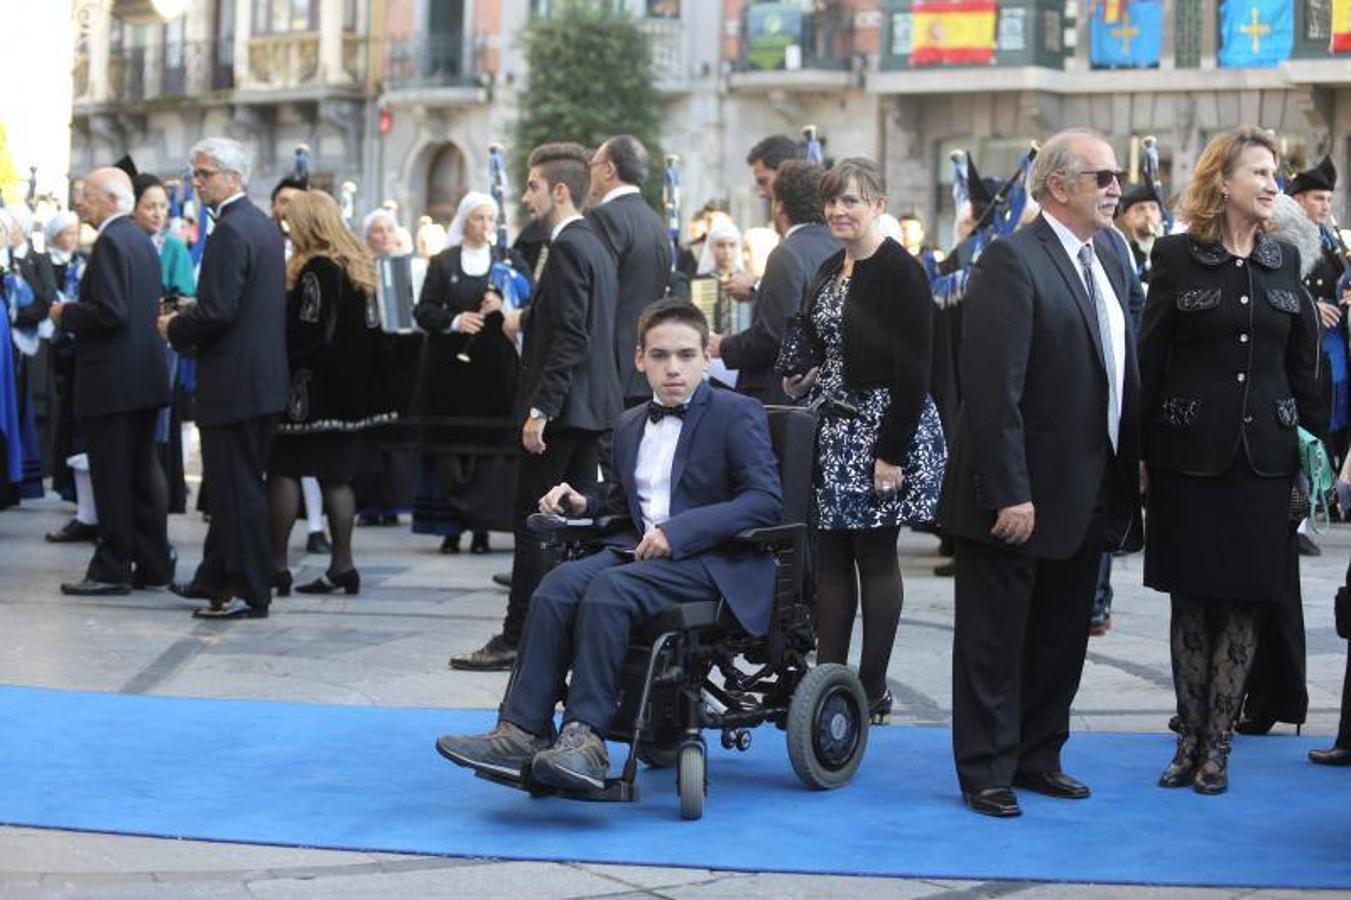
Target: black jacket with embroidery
(1228, 356)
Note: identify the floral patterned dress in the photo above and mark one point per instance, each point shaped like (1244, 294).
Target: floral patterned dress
(846, 446)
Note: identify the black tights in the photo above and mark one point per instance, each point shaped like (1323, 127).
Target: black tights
(844, 560)
(1213, 645)
(339, 505)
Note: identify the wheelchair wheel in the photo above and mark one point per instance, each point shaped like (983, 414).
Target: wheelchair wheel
(827, 726)
(658, 755)
(690, 778)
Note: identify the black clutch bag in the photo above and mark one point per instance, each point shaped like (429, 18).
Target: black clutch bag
(800, 351)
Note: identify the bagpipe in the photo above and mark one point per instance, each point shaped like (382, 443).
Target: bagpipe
(999, 218)
(1151, 175)
(503, 279)
(670, 200)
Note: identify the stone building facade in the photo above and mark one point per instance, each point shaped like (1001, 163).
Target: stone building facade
(404, 97)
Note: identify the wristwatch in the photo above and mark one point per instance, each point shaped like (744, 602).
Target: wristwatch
(538, 414)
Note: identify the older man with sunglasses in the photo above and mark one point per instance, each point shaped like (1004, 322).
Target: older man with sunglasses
(1045, 472)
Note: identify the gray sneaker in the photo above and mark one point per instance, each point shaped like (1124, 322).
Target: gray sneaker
(506, 750)
(578, 761)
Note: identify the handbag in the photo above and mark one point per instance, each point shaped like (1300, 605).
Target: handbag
(1315, 477)
(800, 351)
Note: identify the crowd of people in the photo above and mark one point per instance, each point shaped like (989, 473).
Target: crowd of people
(1018, 395)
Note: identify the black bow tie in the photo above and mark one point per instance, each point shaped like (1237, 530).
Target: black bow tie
(656, 412)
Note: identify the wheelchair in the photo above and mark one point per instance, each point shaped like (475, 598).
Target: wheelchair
(694, 669)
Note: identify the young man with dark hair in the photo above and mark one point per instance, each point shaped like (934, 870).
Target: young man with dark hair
(568, 393)
(636, 236)
(765, 160)
(806, 244)
(693, 467)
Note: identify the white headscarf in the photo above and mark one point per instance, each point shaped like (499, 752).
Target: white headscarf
(374, 216)
(472, 201)
(721, 230)
(57, 224)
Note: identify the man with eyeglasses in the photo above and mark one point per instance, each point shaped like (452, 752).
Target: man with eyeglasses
(237, 330)
(1045, 472)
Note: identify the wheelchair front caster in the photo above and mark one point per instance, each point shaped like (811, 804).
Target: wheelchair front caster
(736, 738)
(691, 779)
(827, 726)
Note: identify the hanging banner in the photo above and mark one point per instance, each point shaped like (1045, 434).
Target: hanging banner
(1256, 34)
(1341, 26)
(953, 32)
(1131, 40)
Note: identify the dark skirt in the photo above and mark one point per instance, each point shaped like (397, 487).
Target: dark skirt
(326, 455)
(460, 492)
(1229, 537)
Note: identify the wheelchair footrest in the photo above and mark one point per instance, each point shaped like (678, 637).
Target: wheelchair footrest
(616, 790)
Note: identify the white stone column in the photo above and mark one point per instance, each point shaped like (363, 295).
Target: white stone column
(330, 41)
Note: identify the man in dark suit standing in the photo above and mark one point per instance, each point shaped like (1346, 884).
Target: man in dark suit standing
(1045, 474)
(637, 238)
(694, 467)
(568, 393)
(121, 381)
(237, 329)
(806, 243)
(765, 159)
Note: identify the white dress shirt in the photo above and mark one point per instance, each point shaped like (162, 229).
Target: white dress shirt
(558, 229)
(652, 473)
(617, 192)
(1116, 319)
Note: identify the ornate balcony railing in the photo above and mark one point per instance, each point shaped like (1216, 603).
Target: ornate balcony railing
(137, 74)
(428, 60)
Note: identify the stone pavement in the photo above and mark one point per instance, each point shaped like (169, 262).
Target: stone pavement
(388, 647)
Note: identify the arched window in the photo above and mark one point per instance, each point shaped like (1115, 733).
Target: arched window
(445, 182)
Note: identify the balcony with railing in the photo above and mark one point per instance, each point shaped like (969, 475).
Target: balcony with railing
(785, 36)
(140, 74)
(427, 61)
(666, 40)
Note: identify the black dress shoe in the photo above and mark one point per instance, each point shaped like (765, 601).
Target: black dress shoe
(1052, 784)
(1254, 726)
(349, 582)
(190, 590)
(88, 588)
(317, 543)
(74, 532)
(502, 579)
(1333, 756)
(945, 570)
(142, 582)
(479, 544)
(281, 582)
(1000, 802)
(233, 608)
(450, 544)
(494, 656)
(1306, 546)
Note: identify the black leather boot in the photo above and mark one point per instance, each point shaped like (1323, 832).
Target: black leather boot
(1212, 775)
(1179, 772)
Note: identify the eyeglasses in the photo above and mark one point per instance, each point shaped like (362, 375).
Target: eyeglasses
(204, 174)
(1105, 177)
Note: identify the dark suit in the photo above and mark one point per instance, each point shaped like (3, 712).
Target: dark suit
(1033, 427)
(237, 329)
(121, 381)
(641, 246)
(789, 269)
(724, 479)
(568, 372)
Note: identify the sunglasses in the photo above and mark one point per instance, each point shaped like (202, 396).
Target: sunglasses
(1105, 177)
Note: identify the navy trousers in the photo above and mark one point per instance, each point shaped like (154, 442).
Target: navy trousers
(581, 616)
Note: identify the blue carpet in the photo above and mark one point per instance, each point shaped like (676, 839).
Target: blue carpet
(363, 778)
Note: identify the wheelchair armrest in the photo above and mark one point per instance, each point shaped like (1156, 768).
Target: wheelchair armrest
(771, 535)
(560, 528)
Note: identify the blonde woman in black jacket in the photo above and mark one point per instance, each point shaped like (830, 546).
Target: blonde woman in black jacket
(878, 468)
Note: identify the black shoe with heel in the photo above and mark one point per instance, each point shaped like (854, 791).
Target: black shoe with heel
(349, 582)
(281, 582)
(1212, 774)
(1180, 771)
(879, 711)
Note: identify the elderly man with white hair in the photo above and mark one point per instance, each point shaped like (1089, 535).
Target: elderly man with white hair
(121, 382)
(237, 328)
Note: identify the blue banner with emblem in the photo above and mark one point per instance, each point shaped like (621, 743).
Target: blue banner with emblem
(1126, 35)
(1256, 34)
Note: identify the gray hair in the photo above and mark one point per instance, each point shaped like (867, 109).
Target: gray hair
(122, 194)
(1058, 157)
(230, 155)
(376, 215)
(1291, 224)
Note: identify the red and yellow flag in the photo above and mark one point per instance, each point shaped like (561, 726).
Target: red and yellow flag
(1341, 26)
(1111, 11)
(953, 32)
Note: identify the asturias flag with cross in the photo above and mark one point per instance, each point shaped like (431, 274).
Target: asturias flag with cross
(1126, 34)
(1256, 34)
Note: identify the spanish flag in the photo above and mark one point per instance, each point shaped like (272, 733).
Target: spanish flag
(953, 32)
(1111, 11)
(1341, 26)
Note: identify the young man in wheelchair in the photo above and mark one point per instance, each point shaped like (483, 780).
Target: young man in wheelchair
(692, 468)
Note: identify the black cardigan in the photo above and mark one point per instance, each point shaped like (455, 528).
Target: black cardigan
(888, 336)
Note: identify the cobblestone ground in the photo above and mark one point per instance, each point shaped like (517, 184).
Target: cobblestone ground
(388, 647)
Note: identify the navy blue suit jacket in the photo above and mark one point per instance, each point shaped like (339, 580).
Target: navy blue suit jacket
(724, 479)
